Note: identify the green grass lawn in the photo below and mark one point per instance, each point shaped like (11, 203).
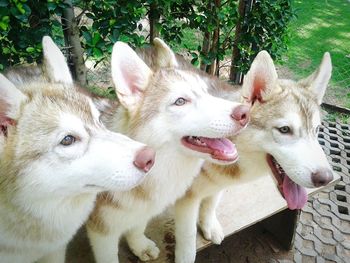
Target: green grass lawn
(320, 26)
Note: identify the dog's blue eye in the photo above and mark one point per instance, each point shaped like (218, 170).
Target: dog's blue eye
(68, 140)
(284, 129)
(180, 102)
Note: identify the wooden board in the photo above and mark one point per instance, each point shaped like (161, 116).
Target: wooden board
(240, 208)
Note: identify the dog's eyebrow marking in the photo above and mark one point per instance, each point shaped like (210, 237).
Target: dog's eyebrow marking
(193, 79)
(200, 84)
(307, 108)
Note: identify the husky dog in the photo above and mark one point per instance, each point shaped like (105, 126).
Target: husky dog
(281, 139)
(172, 111)
(55, 157)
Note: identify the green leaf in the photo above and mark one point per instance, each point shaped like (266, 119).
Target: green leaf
(90, 15)
(115, 35)
(4, 26)
(124, 38)
(30, 49)
(4, 23)
(3, 3)
(96, 38)
(6, 50)
(51, 6)
(194, 54)
(20, 8)
(87, 37)
(97, 52)
(123, 10)
(195, 62)
(21, 13)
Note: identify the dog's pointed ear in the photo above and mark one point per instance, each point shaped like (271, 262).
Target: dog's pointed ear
(165, 56)
(130, 75)
(260, 81)
(55, 64)
(317, 82)
(11, 99)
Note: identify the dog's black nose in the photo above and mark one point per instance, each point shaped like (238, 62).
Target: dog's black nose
(241, 114)
(321, 177)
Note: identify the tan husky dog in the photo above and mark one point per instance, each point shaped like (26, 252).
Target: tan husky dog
(281, 139)
(55, 157)
(171, 110)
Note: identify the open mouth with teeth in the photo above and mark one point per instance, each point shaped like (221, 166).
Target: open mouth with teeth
(295, 195)
(221, 149)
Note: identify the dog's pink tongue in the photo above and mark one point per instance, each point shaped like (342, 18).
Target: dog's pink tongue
(223, 145)
(294, 194)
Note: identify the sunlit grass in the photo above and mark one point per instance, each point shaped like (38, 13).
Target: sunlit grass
(322, 26)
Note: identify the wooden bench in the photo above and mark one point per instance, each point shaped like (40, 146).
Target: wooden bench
(240, 207)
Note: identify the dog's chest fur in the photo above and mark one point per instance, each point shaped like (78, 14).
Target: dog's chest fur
(168, 180)
(39, 232)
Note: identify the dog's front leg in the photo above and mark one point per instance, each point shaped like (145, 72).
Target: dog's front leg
(57, 256)
(143, 247)
(208, 222)
(104, 245)
(186, 213)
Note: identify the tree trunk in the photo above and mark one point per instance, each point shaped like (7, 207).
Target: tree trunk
(217, 68)
(214, 49)
(153, 18)
(72, 40)
(205, 49)
(235, 76)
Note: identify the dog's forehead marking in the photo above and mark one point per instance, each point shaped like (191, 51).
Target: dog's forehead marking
(50, 99)
(294, 118)
(166, 84)
(191, 82)
(309, 109)
(304, 101)
(70, 122)
(292, 99)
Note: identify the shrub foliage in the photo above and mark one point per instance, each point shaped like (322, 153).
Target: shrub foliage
(262, 25)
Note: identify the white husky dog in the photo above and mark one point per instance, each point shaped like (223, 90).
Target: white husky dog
(281, 139)
(55, 157)
(172, 111)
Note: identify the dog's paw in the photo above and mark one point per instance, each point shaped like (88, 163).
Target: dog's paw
(213, 232)
(146, 250)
